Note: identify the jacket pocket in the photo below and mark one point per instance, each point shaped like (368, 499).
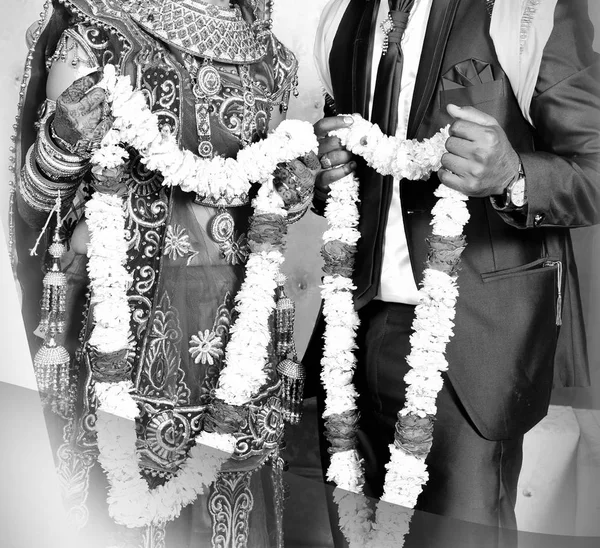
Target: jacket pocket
(540, 266)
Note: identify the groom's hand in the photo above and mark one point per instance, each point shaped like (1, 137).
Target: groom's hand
(336, 161)
(479, 160)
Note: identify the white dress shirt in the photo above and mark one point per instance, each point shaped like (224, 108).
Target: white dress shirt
(397, 282)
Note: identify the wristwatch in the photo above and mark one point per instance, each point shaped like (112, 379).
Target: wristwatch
(514, 196)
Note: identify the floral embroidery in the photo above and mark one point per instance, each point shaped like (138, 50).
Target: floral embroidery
(206, 347)
(177, 243)
(235, 250)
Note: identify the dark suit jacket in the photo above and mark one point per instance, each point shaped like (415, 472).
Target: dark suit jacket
(518, 275)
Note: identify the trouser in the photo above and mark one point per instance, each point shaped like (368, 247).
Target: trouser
(471, 479)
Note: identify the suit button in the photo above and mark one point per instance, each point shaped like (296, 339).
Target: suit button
(537, 220)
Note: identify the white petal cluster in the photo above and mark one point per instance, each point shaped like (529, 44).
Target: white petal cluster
(341, 320)
(130, 500)
(345, 471)
(391, 527)
(355, 517)
(246, 354)
(405, 477)
(432, 330)
(341, 211)
(214, 178)
(450, 213)
(401, 158)
(109, 279)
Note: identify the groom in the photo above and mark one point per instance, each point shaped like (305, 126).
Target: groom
(529, 159)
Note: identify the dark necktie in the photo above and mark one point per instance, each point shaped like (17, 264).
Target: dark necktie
(376, 191)
(389, 73)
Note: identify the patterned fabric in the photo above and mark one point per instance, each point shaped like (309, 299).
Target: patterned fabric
(183, 282)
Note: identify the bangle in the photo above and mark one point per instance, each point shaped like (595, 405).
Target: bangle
(39, 192)
(296, 212)
(54, 162)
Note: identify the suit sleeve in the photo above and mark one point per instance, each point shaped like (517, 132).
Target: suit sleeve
(563, 174)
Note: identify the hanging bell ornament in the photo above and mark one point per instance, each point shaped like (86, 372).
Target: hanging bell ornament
(52, 361)
(55, 290)
(292, 375)
(291, 371)
(51, 365)
(285, 315)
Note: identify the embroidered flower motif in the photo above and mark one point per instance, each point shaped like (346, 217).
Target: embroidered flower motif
(206, 347)
(177, 243)
(235, 251)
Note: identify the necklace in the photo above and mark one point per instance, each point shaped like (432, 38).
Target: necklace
(200, 29)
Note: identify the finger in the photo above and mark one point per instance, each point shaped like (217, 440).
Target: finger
(311, 160)
(80, 87)
(460, 147)
(92, 100)
(335, 174)
(457, 165)
(86, 125)
(336, 158)
(469, 131)
(328, 144)
(300, 171)
(471, 114)
(331, 123)
(450, 179)
(102, 128)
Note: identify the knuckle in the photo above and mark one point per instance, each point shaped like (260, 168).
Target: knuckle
(478, 171)
(456, 127)
(446, 159)
(480, 156)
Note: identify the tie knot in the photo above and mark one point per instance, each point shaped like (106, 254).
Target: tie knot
(399, 20)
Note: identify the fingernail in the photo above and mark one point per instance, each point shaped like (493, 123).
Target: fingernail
(353, 165)
(349, 120)
(455, 106)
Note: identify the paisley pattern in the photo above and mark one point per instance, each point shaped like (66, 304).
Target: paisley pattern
(230, 504)
(160, 376)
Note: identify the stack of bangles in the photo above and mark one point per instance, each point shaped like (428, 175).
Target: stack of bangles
(49, 170)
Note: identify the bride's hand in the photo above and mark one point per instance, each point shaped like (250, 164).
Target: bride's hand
(82, 116)
(294, 181)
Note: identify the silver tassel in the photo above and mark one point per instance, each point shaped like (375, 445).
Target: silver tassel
(291, 371)
(52, 361)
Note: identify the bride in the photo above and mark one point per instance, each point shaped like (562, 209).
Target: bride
(218, 80)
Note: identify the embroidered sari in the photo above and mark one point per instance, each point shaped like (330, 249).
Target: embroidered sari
(185, 276)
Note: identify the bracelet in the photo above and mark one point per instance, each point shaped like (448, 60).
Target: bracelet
(296, 212)
(54, 162)
(39, 192)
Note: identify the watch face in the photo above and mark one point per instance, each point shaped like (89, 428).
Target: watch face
(517, 193)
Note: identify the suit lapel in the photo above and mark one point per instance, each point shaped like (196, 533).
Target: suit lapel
(436, 37)
(362, 61)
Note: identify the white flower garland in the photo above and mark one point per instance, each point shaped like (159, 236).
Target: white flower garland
(109, 279)
(131, 503)
(433, 328)
(130, 500)
(216, 178)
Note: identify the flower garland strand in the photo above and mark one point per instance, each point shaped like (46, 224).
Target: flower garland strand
(131, 502)
(134, 124)
(433, 328)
